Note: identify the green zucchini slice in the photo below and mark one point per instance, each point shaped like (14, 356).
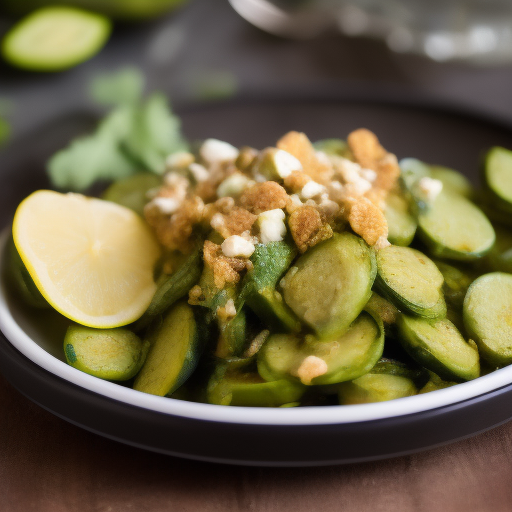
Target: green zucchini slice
(55, 38)
(498, 177)
(456, 284)
(111, 354)
(175, 350)
(239, 388)
(435, 382)
(270, 261)
(344, 358)
(411, 281)
(438, 346)
(453, 227)
(330, 284)
(21, 280)
(401, 224)
(173, 287)
(452, 180)
(499, 257)
(375, 387)
(487, 315)
(132, 191)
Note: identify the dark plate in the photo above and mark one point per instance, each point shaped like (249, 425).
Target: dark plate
(406, 126)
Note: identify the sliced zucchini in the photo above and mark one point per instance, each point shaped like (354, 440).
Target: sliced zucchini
(111, 354)
(411, 281)
(438, 346)
(487, 315)
(435, 382)
(55, 38)
(330, 284)
(453, 227)
(270, 261)
(453, 181)
(337, 147)
(248, 389)
(456, 284)
(401, 224)
(410, 371)
(232, 336)
(498, 177)
(21, 279)
(314, 361)
(412, 170)
(174, 287)
(175, 350)
(499, 257)
(375, 387)
(132, 191)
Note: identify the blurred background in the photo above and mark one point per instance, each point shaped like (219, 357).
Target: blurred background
(459, 51)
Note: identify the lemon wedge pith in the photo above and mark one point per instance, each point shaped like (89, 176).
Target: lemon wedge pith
(92, 260)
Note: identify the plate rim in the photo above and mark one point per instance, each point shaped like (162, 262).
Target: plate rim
(303, 416)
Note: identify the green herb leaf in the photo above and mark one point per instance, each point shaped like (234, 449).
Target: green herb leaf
(122, 87)
(155, 134)
(131, 138)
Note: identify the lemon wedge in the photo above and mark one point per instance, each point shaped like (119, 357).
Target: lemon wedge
(92, 260)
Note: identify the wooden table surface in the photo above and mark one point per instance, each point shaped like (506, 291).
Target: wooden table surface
(49, 465)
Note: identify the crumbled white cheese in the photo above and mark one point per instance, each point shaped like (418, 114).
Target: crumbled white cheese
(178, 182)
(215, 151)
(272, 226)
(166, 205)
(348, 170)
(429, 188)
(323, 158)
(381, 243)
(233, 185)
(179, 160)
(296, 201)
(235, 246)
(217, 221)
(359, 187)
(230, 308)
(368, 174)
(311, 367)
(285, 163)
(312, 189)
(329, 207)
(199, 172)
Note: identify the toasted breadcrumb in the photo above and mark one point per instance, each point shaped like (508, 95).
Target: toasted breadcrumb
(308, 228)
(388, 172)
(264, 196)
(195, 295)
(174, 233)
(225, 270)
(207, 189)
(298, 145)
(311, 367)
(236, 222)
(296, 180)
(366, 148)
(368, 221)
(246, 158)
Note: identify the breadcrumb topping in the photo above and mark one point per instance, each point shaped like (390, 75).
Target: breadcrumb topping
(315, 193)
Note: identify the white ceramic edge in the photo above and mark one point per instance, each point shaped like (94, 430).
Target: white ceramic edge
(245, 415)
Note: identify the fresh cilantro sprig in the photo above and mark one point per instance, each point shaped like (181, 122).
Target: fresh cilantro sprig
(137, 135)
